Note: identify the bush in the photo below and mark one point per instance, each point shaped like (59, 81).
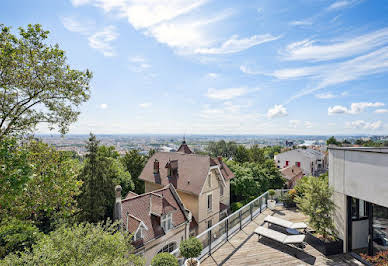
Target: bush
(82, 244)
(288, 198)
(236, 205)
(316, 202)
(380, 259)
(190, 248)
(164, 259)
(16, 235)
(271, 193)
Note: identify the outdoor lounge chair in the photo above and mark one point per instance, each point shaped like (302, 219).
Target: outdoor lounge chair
(284, 223)
(295, 240)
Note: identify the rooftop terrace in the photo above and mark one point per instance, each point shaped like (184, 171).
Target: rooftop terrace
(245, 248)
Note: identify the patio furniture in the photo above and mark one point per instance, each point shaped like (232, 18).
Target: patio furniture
(284, 223)
(294, 240)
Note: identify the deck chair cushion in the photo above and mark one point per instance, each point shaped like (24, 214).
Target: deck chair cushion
(284, 223)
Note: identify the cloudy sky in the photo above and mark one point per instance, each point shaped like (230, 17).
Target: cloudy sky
(223, 67)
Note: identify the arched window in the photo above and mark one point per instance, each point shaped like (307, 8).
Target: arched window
(168, 248)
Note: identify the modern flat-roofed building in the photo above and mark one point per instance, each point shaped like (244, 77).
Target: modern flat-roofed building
(359, 177)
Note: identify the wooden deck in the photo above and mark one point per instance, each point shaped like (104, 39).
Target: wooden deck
(245, 248)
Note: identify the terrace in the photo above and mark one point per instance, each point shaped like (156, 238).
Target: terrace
(243, 247)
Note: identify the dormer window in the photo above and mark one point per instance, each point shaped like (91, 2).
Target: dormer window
(166, 222)
(139, 234)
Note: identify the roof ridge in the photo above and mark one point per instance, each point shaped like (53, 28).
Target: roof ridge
(146, 194)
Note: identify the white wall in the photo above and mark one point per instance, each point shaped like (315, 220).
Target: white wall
(293, 157)
(360, 174)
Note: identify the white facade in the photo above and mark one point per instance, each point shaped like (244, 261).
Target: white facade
(309, 160)
(360, 174)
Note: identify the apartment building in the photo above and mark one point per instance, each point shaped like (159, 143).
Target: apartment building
(359, 177)
(157, 220)
(312, 162)
(202, 182)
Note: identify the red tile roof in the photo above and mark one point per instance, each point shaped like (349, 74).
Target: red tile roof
(130, 195)
(192, 170)
(148, 208)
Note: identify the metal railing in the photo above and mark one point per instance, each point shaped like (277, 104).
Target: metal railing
(219, 233)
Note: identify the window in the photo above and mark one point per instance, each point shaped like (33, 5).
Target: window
(359, 209)
(297, 164)
(287, 162)
(209, 181)
(209, 202)
(139, 233)
(221, 190)
(168, 248)
(166, 222)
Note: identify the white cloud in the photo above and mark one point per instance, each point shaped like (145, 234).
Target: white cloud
(294, 123)
(312, 51)
(103, 106)
(145, 105)
(212, 75)
(74, 25)
(138, 64)
(247, 70)
(225, 94)
(327, 95)
(77, 3)
(339, 4)
(355, 108)
(102, 40)
(277, 111)
(235, 45)
(306, 22)
(381, 111)
(361, 124)
(308, 124)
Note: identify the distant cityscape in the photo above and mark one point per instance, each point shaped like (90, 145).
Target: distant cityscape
(144, 143)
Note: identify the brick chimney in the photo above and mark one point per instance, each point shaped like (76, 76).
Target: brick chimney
(117, 208)
(156, 167)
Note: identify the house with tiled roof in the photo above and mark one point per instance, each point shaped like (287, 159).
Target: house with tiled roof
(292, 174)
(202, 182)
(157, 220)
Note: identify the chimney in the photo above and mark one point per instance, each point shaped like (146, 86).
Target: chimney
(219, 158)
(117, 208)
(156, 167)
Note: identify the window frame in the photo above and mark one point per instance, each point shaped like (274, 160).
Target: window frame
(166, 248)
(167, 218)
(357, 209)
(210, 195)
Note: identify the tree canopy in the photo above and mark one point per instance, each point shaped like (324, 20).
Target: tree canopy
(36, 83)
(134, 163)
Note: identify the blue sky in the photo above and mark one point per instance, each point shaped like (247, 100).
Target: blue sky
(223, 67)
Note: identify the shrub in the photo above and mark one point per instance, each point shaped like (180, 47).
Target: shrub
(164, 259)
(380, 259)
(82, 244)
(271, 193)
(236, 205)
(190, 248)
(16, 235)
(317, 203)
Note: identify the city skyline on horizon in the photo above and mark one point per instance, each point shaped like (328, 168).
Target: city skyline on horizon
(204, 67)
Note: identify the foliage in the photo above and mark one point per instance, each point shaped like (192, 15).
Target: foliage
(333, 141)
(49, 194)
(380, 259)
(253, 179)
(191, 248)
(16, 235)
(241, 155)
(164, 259)
(134, 163)
(271, 193)
(371, 143)
(80, 244)
(15, 171)
(316, 202)
(102, 170)
(222, 148)
(37, 85)
(289, 197)
(236, 205)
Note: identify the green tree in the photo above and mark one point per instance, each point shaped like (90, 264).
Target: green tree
(37, 85)
(256, 154)
(164, 259)
(191, 248)
(16, 235)
(222, 148)
(134, 162)
(80, 244)
(316, 202)
(332, 141)
(102, 170)
(241, 155)
(49, 194)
